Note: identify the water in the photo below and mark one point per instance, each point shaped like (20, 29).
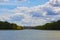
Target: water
(29, 35)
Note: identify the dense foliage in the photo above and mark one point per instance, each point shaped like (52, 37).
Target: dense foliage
(6, 25)
(50, 26)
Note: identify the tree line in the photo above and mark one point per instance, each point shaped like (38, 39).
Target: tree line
(8, 26)
(50, 26)
(4, 25)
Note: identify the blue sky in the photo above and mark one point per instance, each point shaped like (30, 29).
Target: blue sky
(12, 4)
(29, 12)
(29, 3)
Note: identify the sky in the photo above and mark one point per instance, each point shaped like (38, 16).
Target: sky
(29, 12)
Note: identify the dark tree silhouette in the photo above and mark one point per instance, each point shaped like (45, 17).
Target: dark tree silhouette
(50, 26)
(6, 25)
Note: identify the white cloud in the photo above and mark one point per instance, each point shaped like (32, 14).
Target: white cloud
(3, 1)
(37, 15)
(55, 2)
(21, 0)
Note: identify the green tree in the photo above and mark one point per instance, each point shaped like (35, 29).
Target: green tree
(50, 26)
(6, 25)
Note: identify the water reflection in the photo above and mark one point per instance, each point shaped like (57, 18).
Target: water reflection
(29, 35)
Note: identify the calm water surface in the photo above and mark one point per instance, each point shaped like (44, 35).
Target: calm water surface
(29, 35)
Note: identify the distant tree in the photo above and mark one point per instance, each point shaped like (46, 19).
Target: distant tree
(50, 26)
(7, 25)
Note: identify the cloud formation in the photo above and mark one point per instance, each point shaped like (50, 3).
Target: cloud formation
(37, 15)
(3, 1)
(20, 0)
